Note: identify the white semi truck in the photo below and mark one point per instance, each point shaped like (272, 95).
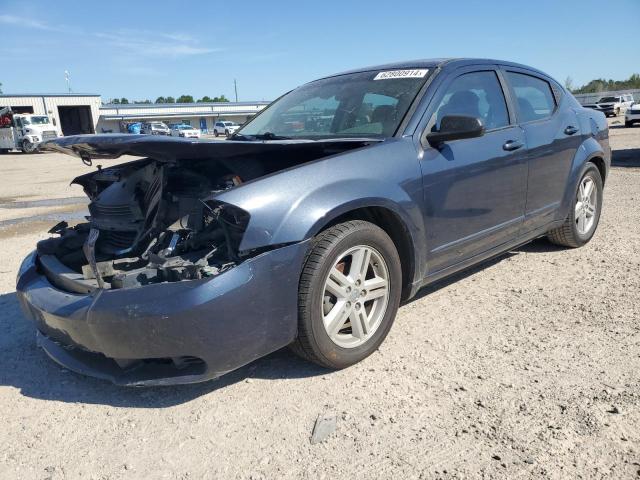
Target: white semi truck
(24, 132)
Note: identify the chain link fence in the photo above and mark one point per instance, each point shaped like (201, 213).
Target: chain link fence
(585, 98)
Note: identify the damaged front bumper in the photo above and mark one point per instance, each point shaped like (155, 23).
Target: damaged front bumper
(168, 333)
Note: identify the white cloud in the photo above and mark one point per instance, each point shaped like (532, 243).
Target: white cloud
(149, 44)
(27, 23)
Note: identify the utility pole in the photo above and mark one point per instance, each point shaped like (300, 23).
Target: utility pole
(67, 77)
(235, 87)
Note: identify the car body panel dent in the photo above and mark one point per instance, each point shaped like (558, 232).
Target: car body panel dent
(208, 319)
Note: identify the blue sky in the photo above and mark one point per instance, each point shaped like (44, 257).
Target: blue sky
(142, 49)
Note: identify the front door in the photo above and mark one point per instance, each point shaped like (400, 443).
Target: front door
(475, 188)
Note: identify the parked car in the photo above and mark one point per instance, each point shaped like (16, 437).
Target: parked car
(226, 127)
(632, 115)
(155, 128)
(134, 128)
(186, 131)
(612, 106)
(204, 256)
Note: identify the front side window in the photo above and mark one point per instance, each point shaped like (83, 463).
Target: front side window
(533, 96)
(476, 94)
(370, 104)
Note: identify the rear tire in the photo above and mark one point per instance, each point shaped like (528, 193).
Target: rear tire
(583, 218)
(628, 124)
(337, 331)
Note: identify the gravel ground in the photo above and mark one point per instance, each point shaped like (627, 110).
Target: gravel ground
(524, 367)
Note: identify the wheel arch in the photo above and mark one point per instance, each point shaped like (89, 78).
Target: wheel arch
(598, 161)
(592, 152)
(394, 226)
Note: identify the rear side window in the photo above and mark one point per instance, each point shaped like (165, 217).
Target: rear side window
(533, 95)
(477, 94)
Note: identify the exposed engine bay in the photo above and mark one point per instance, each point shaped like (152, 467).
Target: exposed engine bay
(158, 220)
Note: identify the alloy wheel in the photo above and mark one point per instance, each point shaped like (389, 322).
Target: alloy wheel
(586, 204)
(355, 296)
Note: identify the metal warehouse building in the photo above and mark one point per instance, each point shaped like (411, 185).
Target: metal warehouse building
(75, 113)
(71, 113)
(113, 118)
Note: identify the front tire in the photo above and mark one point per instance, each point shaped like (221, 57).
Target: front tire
(349, 294)
(28, 147)
(215, 133)
(582, 221)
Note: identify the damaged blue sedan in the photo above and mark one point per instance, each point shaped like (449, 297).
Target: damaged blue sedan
(312, 223)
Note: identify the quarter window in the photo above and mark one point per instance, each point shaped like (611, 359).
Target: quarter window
(476, 94)
(533, 95)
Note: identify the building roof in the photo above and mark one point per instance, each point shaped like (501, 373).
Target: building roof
(10, 95)
(168, 110)
(124, 106)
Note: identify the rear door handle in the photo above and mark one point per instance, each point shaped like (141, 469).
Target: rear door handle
(512, 145)
(570, 130)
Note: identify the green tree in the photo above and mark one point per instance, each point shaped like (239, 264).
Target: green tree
(568, 83)
(142, 102)
(170, 100)
(208, 99)
(161, 100)
(184, 99)
(115, 101)
(0, 88)
(124, 101)
(602, 85)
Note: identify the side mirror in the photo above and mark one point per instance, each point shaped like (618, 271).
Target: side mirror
(456, 127)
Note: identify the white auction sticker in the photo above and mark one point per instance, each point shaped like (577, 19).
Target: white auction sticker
(420, 73)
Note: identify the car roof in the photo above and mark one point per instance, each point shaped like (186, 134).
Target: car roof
(435, 63)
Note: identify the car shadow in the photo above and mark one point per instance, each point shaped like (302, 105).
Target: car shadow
(540, 245)
(456, 277)
(628, 157)
(28, 369)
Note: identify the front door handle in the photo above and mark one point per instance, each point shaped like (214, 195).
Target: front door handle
(512, 145)
(570, 130)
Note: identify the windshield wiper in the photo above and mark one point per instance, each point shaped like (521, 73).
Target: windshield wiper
(270, 136)
(240, 136)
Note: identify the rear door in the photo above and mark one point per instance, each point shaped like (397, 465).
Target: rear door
(552, 135)
(474, 188)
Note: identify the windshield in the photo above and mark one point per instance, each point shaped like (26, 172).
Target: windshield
(36, 121)
(158, 125)
(229, 124)
(608, 100)
(368, 104)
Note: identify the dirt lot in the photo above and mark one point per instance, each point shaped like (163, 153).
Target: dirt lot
(525, 367)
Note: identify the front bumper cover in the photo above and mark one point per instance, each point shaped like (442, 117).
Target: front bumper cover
(134, 336)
